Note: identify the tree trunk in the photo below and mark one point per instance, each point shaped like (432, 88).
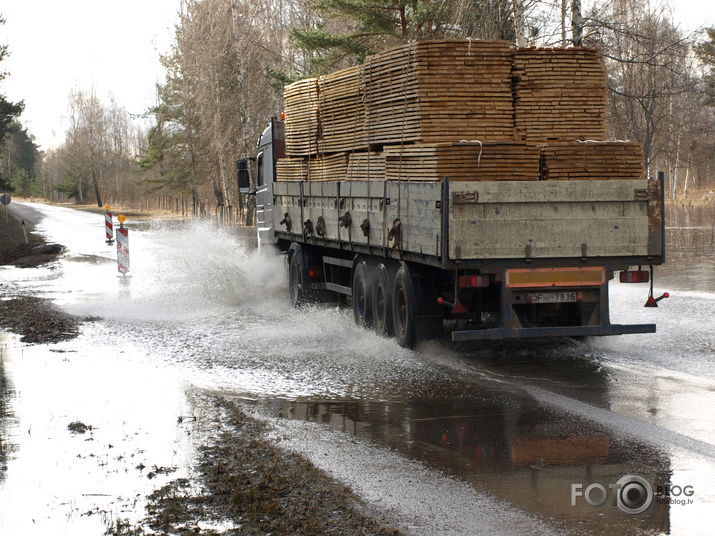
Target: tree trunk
(576, 23)
(95, 183)
(518, 9)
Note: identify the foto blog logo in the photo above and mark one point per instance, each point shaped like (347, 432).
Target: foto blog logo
(632, 494)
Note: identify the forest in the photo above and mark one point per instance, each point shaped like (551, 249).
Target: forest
(230, 60)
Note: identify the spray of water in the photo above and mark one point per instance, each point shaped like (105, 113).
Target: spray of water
(183, 272)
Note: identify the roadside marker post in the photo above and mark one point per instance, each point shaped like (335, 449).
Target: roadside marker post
(108, 226)
(24, 231)
(122, 246)
(5, 200)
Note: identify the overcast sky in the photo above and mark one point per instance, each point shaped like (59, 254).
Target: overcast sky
(59, 45)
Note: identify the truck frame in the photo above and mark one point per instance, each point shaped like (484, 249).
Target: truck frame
(486, 259)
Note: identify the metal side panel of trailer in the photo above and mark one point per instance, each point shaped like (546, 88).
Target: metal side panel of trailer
(484, 221)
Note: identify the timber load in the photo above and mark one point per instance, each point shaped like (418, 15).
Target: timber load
(300, 101)
(366, 166)
(559, 94)
(465, 161)
(342, 111)
(427, 91)
(468, 110)
(316, 168)
(592, 160)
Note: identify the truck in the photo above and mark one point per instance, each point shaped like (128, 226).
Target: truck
(478, 260)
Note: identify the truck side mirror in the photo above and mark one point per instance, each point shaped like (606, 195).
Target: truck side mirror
(244, 179)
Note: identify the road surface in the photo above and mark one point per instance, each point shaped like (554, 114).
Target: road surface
(445, 440)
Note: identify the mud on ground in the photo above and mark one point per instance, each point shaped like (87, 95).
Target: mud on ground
(37, 320)
(245, 485)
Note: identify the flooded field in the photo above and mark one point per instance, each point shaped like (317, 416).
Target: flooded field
(443, 440)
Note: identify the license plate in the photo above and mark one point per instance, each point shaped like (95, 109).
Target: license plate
(551, 297)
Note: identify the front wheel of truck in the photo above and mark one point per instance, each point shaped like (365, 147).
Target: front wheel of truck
(296, 280)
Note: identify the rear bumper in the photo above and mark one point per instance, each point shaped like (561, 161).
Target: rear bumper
(565, 331)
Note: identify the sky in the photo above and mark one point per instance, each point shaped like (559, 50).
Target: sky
(57, 46)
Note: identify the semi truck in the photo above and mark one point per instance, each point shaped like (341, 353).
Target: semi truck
(476, 259)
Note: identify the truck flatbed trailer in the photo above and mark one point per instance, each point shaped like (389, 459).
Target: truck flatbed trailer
(495, 259)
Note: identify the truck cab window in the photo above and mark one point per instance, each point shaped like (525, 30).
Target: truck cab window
(259, 169)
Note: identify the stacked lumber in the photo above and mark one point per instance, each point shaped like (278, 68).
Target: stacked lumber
(300, 101)
(291, 169)
(428, 91)
(559, 94)
(328, 168)
(593, 161)
(342, 111)
(366, 166)
(488, 161)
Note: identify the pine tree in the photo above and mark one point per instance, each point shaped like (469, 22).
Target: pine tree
(8, 110)
(352, 29)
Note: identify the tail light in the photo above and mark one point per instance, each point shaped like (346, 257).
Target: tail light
(472, 281)
(635, 276)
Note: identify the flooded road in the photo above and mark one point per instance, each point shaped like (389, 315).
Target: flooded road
(446, 439)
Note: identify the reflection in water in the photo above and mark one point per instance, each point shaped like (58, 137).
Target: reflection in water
(5, 393)
(511, 448)
(690, 248)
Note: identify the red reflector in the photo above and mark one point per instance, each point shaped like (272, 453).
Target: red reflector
(635, 277)
(470, 281)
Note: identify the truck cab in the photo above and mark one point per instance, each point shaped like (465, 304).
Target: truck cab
(271, 147)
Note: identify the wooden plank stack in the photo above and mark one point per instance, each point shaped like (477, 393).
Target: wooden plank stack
(314, 168)
(469, 110)
(428, 91)
(300, 101)
(592, 161)
(291, 169)
(342, 111)
(559, 94)
(488, 161)
(366, 166)
(328, 168)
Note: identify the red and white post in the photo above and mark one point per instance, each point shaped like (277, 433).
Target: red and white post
(122, 246)
(108, 225)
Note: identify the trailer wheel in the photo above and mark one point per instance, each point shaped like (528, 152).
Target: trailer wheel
(404, 302)
(296, 280)
(362, 298)
(382, 301)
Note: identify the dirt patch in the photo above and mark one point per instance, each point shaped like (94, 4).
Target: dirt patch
(78, 427)
(245, 485)
(37, 320)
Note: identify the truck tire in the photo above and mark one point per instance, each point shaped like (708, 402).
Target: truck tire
(404, 308)
(297, 288)
(362, 295)
(382, 316)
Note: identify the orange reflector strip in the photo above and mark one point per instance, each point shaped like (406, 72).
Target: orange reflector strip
(555, 277)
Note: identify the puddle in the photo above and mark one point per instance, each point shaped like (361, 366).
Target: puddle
(128, 442)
